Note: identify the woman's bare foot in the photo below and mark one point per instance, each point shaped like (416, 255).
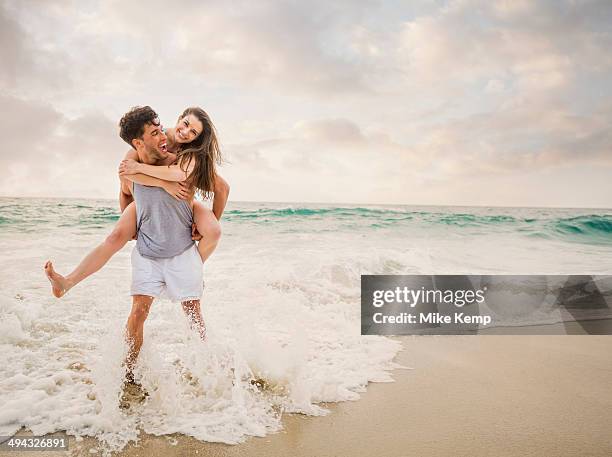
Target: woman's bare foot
(59, 284)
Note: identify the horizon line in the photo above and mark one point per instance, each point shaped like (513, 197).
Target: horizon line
(345, 203)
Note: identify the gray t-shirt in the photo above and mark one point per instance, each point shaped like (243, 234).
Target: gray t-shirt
(163, 223)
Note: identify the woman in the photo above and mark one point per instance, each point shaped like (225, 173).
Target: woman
(194, 141)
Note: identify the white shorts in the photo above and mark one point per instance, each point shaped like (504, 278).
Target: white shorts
(180, 277)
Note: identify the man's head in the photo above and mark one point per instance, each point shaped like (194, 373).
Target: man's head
(140, 128)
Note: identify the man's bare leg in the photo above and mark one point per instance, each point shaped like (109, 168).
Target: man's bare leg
(192, 309)
(141, 304)
(209, 227)
(124, 231)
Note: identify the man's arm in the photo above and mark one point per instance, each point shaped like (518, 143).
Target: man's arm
(221, 190)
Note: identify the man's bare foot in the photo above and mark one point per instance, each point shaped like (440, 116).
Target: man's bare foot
(132, 392)
(59, 284)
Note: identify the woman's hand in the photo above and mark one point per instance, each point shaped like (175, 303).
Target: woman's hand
(178, 190)
(129, 167)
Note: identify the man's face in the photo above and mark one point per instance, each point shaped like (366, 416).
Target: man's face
(154, 141)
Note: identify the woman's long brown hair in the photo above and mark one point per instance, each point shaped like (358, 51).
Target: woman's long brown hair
(205, 153)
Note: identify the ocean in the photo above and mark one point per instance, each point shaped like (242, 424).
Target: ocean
(281, 302)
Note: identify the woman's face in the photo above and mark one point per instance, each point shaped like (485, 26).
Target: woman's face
(187, 129)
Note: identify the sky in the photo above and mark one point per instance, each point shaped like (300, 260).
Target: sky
(496, 103)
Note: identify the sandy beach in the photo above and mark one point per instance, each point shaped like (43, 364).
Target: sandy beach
(464, 396)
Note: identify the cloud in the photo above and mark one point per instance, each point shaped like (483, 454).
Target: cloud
(338, 154)
(28, 65)
(48, 154)
(286, 45)
(332, 131)
(340, 101)
(520, 139)
(13, 49)
(537, 46)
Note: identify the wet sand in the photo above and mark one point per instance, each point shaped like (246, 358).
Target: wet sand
(465, 396)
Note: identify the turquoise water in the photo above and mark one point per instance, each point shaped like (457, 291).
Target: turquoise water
(589, 226)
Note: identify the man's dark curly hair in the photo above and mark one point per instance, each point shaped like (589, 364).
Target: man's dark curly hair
(132, 124)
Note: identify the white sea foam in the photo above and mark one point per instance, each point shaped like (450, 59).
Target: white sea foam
(273, 312)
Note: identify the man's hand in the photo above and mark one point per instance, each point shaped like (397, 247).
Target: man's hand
(128, 167)
(195, 235)
(179, 190)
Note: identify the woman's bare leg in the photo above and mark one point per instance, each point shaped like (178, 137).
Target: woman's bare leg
(209, 227)
(124, 231)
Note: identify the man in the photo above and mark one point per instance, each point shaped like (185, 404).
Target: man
(165, 257)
